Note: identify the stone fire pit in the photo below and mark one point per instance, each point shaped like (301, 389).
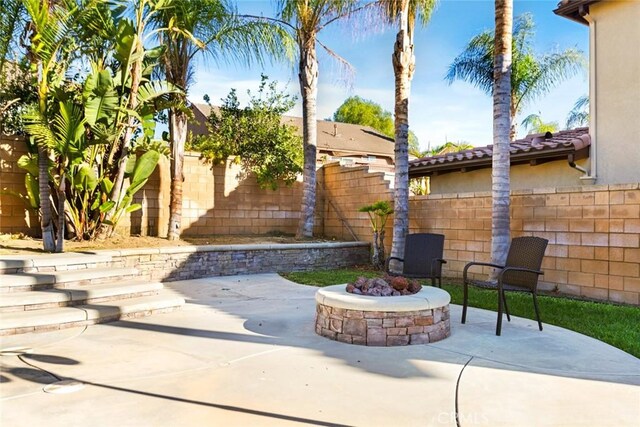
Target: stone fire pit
(382, 321)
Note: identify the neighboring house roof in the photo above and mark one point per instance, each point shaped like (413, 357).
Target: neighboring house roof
(338, 139)
(344, 139)
(574, 9)
(533, 149)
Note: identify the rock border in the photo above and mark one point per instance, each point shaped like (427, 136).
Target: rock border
(421, 318)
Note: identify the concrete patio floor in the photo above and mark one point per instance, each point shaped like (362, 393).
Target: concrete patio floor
(243, 352)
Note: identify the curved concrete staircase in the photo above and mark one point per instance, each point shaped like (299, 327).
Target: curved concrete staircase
(57, 291)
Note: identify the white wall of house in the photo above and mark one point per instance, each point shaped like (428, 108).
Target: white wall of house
(615, 78)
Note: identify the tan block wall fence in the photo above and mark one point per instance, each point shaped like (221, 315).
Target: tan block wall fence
(13, 216)
(216, 201)
(593, 231)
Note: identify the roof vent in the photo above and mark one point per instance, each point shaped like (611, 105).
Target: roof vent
(335, 129)
(548, 135)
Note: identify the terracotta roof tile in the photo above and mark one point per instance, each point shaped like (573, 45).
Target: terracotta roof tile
(535, 146)
(574, 9)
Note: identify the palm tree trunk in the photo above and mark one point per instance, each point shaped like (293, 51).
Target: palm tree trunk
(500, 223)
(403, 67)
(178, 136)
(62, 196)
(46, 215)
(309, 90)
(513, 134)
(118, 183)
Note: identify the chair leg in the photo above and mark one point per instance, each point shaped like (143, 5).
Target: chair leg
(440, 282)
(465, 298)
(499, 323)
(506, 307)
(535, 306)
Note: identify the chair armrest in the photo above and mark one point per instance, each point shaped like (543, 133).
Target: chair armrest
(528, 270)
(436, 267)
(472, 264)
(522, 269)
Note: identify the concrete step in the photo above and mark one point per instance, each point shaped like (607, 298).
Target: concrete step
(22, 282)
(63, 261)
(51, 319)
(70, 296)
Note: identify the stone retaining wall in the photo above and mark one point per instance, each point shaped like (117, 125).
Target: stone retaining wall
(190, 262)
(382, 328)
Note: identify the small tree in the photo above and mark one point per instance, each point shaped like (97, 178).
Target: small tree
(255, 134)
(378, 214)
(359, 111)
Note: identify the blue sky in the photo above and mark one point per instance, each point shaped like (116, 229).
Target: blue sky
(438, 111)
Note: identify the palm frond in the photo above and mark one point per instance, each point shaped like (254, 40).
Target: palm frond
(551, 69)
(152, 90)
(68, 128)
(531, 75)
(418, 10)
(523, 33)
(475, 63)
(346, 69)
(533, 123)
(579, 114)
(11, 23)
(582, 102)
(35, 125)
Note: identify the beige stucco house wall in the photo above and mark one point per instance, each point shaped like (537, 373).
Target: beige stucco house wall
(614, 85)
(614, 28)
(553, 174)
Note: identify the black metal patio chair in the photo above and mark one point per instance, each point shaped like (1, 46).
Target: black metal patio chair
(422, 257)
(520, 273)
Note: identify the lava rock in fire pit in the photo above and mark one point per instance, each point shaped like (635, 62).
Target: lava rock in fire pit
(384, 286)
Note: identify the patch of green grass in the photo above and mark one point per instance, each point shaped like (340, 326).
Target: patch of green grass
(616, 325)
(323, 278)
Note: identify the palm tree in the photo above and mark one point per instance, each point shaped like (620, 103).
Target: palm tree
(502, 109)
(531, 75)
(533, 123)
(404, 12)
(211, 28)
(48, 51)
(307, 18)
(579, 114)
(64, 135)
(9, 27)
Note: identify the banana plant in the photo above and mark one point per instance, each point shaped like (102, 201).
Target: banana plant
(88, 129)
(134, 82)
(140, 169)
(64, 135)
(50, 49)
